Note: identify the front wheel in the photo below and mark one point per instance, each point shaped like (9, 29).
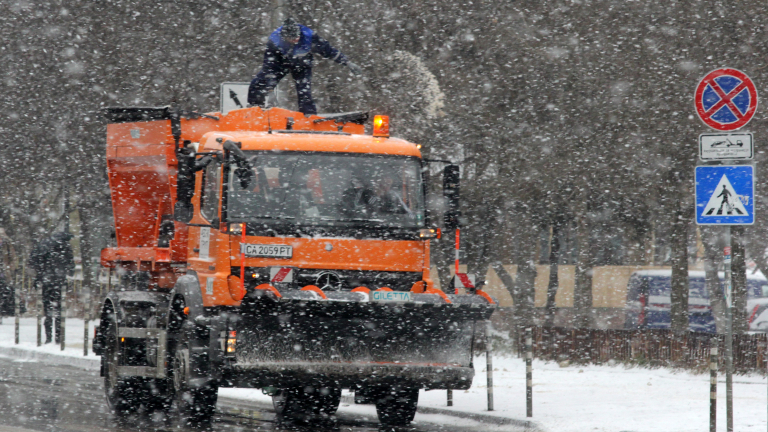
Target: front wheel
(195, 405)
(397, 406)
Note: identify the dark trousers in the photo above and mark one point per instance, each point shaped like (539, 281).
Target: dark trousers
(52, 310)
(271, 74)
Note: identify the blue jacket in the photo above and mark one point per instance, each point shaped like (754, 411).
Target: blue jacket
(282, 53)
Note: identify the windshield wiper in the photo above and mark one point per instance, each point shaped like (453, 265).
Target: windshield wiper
(353, 220)
(268, 217)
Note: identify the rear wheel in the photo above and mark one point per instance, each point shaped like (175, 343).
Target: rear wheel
(158, 396)
(123, 397)
(397, 406)
(306, 402)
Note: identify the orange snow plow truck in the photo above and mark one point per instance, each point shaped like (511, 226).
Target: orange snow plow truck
(267, 249)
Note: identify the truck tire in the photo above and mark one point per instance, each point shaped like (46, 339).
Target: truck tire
(158, 396)
(194, 405)
(123, 398)
(397, 406)
(306, 402)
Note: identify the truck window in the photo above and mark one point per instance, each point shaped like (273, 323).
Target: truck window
(209, 201)
(331, 189)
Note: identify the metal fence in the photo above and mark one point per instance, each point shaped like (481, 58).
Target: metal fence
(645, 347)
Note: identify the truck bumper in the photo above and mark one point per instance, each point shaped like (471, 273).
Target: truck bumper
(348, 375)
(349, 341)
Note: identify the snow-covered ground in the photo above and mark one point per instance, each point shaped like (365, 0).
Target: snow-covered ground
(566, 399)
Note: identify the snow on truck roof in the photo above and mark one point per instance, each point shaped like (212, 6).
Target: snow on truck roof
(691, 274)
(315, 142)
(274, 129)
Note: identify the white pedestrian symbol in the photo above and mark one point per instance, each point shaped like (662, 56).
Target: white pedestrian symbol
(724, 201)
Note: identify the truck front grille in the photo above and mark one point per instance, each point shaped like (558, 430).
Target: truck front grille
(343, 280)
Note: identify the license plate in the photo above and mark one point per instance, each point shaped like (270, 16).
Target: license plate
(266, 251)
(391, 296)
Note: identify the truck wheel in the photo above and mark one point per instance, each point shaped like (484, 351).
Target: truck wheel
(122, 397)
(195, 406)
(299, 403)
(397, 406)
(284, 403)
(158, 396)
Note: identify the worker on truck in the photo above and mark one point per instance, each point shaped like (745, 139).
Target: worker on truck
(290, 49)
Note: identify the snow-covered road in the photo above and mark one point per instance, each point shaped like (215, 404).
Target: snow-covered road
(566, 399)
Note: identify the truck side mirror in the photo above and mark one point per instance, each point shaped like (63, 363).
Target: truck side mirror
(451, 181)
(244, 170)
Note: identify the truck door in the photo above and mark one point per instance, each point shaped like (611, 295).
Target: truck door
(204, 239)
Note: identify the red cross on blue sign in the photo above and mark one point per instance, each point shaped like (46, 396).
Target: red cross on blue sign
(726, 99)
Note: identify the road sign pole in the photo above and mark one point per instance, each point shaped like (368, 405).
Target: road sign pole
(489, 364)
(713, 385)
(726, 100)
(728, 330)
(528, 372)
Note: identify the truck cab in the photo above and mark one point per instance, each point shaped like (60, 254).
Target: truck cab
(331, 210)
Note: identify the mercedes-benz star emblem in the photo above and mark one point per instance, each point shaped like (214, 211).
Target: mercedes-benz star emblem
(328, 281)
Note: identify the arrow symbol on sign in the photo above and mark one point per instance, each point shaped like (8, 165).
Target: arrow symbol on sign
(233, 96)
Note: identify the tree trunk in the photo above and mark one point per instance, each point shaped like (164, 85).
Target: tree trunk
(554, 258)
(712, 259)
(524, 290)
(582, 296)
(739, 279)
(443, 252)
(679, 295)
(507, 280)
(86, 254)
(525, 286)
(485, 243)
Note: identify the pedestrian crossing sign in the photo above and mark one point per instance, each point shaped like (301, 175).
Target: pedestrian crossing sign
(725, 195)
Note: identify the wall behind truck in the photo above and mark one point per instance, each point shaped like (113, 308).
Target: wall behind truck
(609, 292)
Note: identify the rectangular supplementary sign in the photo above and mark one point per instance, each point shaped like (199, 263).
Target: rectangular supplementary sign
(390, 296)
(234, 95)
(725, 195)
(725, 146)
(266, 250)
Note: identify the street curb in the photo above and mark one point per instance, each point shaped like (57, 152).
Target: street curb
(483, 418)
(94, 363)
(89, 363)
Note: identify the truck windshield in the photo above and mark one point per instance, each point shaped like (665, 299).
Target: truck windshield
(330, 189)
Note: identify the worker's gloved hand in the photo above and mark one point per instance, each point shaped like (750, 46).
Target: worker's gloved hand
(355, 69)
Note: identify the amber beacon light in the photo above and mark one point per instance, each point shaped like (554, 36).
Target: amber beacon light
(381, 126)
